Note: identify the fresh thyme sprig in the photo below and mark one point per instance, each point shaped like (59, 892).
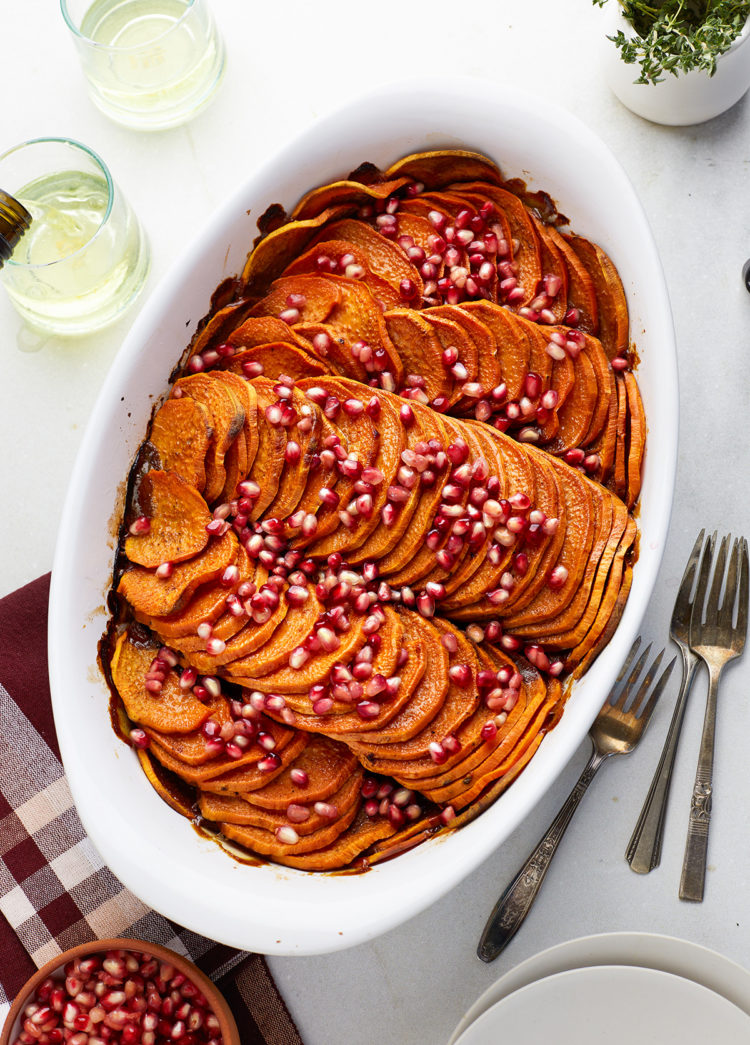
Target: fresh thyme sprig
(678, 35)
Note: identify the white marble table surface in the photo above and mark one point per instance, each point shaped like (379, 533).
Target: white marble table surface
(288, 63)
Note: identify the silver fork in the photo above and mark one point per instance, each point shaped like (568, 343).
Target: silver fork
(616, 730)
(716, 640)
(644, 849)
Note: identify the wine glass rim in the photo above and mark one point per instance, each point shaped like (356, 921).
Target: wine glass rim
(189, 5)
(110, 196)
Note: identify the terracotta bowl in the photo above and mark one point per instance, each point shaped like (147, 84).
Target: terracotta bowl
(13, 1024)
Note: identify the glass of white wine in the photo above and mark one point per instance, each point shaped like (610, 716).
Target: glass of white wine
(84, 257)
(150, 64)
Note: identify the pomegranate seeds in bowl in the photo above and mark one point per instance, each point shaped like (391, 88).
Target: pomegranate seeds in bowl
(115, 993)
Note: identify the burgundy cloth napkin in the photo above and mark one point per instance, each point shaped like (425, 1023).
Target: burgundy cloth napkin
(55, 891)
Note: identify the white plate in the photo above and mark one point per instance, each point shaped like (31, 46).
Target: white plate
(646, 950)
(152, 850)
(616, 1004)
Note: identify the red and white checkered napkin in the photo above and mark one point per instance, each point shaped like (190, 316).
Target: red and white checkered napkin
(55, 891)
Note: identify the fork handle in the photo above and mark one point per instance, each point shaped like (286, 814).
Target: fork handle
(644, 849)
(692, 881)
(515, 903)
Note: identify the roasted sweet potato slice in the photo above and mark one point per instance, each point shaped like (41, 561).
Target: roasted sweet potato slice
(328, 765)
(348, 193)
(315, 297)
(344, 258)
(459, 702)
(227, 418)
(359, 836)
(274, 655)
(460, 796)
(274, 252)
(512, 349)
(390, 445)
(581, 289)
(242, 638)
(350, 726)
(153, 597)
(291, 680)
(636, 437)
(279, 357)
(358, 317)
(383, 543)
(208, 604)
(384, 257)
(178, 516)
(268, 462)
(527, 257)
(181, 433)
(477, 753)
(262, 330)
(612, 306)
(619, 477)
(442, 167)
(554, 274)
(267, 844)
(242, 809)
(419, 350)
(249, 774)
(173, 710)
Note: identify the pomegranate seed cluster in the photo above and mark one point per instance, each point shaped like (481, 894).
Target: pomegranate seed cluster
(119, 997)
(392, 513)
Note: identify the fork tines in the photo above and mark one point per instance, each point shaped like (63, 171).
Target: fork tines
(624, 695)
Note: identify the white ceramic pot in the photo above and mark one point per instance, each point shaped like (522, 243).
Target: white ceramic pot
(687, 98)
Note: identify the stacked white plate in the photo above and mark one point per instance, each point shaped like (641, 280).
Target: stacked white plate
(618, 988)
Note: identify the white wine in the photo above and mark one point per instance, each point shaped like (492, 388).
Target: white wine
(150, 63)
(83, 258)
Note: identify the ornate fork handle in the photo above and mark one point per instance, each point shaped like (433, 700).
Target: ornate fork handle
(692, 882)
(644, 849)
(515, 903)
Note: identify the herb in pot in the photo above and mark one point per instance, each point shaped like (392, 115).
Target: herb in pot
(677, 36)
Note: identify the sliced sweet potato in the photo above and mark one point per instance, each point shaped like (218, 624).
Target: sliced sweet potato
(524, 237)
(619, 477)
(612, 306)
(268, 462)
(279, 357)
(357, 839)
(358, 317)
(419, 350)
(339, 256)
(291, 680)
(426, 701)
(636, 437)
(153, 597)
(350, 726)
(181, 433)
(442, 167)
(178, 516)
(385, 258)
(274, 252)
(243, 810)
(249, 774)
(209, 603)
(227, 418)
(241, 637)
(274, 655)
(554, 270)
(316, 298)
(512, 349)
(173, 710)
(328, 765)
(390, 445)
(580, 285)
(349, 193)
(458, 704)
(262, 330)
(267, 844)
